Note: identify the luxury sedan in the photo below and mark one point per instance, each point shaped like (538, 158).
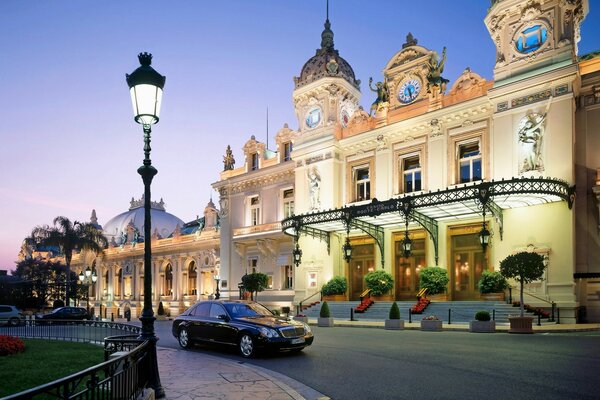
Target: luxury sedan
(246, 324)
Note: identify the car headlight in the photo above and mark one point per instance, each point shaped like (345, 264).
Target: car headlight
(306, 328)
(267, 332)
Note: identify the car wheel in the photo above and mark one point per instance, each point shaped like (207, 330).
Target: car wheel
(13, 321)
(247, 346)
(184, 338)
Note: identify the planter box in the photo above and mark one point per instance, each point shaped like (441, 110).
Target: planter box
(492, 296)
(435, 326)
(325, 322)
(301, 319)
(394, 324)
(520, 324)
(335, 297)
(482, 326)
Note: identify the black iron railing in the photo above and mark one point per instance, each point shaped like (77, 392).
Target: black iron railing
(75, 331)
(124, 377)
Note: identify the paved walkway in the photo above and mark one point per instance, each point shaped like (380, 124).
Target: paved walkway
(190, 375)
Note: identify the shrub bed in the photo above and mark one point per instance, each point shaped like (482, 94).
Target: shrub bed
(10, 345)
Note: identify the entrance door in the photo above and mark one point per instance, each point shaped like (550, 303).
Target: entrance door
(408, 268)
(362, 262)
(467, 265)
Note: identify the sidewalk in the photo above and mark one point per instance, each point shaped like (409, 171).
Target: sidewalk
(188, 375)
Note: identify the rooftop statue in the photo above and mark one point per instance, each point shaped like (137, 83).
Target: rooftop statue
(228, 160)
(436, 68)
(383, 94)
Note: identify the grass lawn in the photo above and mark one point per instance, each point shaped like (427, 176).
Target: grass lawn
(44, 361)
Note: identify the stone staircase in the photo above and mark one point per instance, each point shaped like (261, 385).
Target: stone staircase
(461, 311)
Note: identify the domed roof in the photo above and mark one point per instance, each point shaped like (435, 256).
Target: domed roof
(162, 222)
(326, 62)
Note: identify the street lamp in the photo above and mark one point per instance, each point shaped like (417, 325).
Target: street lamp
(146, 86)
(484, 234)
(88, 279)
(217, 293)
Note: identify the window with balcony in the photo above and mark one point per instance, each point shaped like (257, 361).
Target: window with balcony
(411, 173)
(288, 203)
(469, 161)
(254, 161)
(252, 265)
(254, 210)
(362, 183)
(288, 276)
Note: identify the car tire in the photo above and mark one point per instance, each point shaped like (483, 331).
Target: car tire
(247, 345)
(14, 321)
(184, 338)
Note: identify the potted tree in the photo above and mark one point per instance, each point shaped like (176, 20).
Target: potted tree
(434, 279)
(335, 289)
(380, 283)
(254, 283)
(483, 323)
(492, 285)
(524, 267)
(325, 318)
(394, 321)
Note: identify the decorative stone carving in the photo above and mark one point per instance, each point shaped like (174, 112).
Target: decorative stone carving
(382, 143)
(228, 160)
(240, 249)
(314, 187)
(436, 128)
(467, 81)
(531, 11)
(530, 133)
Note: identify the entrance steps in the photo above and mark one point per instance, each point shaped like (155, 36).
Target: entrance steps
(461, 311)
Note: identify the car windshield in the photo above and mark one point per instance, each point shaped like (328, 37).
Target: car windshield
(240, 310)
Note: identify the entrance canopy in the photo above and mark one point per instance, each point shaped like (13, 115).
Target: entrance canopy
(426, 209)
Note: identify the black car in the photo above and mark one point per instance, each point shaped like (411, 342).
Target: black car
(246, 324)
(64, 313)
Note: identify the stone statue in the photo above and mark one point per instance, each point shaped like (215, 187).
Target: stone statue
(228, 160)
(436, 68)
(531, 132)
(123, 238)
(314, 187)
(383, 94)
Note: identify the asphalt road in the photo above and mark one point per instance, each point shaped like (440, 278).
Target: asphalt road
(361, 363)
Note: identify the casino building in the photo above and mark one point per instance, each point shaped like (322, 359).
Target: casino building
(467, 172)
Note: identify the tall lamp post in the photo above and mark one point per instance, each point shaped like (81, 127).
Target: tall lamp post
(88, 279)
(146, 86)
(217, 280)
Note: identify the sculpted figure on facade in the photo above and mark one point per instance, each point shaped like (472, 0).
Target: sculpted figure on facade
(314, 187)
(436, 68)
(530, 133)
(228, 160)
(383, 95)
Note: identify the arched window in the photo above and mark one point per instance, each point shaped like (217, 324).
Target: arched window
(118, 282)
(105, 282)
(192, 278)
(168, 280)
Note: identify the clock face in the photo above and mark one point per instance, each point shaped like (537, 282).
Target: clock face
(313, 117)
(409, 91)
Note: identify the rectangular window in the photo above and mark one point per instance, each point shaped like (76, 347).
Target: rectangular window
(362, 183)
(287, 151)
(288, 203)
(254, 161)
(254, 210)
(469, 162)
(252, 265)
(288, 276)
(411, 173)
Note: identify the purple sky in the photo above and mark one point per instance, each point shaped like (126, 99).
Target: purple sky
(68, 140)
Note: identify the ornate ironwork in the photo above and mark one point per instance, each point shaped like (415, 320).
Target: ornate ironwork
(317, 234)
(431, 226)
(375, 231)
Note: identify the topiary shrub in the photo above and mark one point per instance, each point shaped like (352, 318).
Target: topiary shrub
(380, 282)
(394, 311)
(492, 282)
(337, 285)
(161, 309)
(482, 315)
(255, 282)
(434, 279)
(325, 313)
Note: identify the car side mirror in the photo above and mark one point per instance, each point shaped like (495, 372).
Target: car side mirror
(223, 317)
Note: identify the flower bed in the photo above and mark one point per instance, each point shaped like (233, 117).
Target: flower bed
(10, 345)
(535, 311)
(420, 306)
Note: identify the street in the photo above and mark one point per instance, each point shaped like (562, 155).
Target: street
(361, 363)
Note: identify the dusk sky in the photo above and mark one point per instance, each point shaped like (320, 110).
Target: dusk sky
(68, 140)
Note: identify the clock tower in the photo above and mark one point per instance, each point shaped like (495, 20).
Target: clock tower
(534, 34)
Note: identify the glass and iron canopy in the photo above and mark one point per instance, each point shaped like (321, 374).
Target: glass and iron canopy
(146, 87)
(427, 209)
